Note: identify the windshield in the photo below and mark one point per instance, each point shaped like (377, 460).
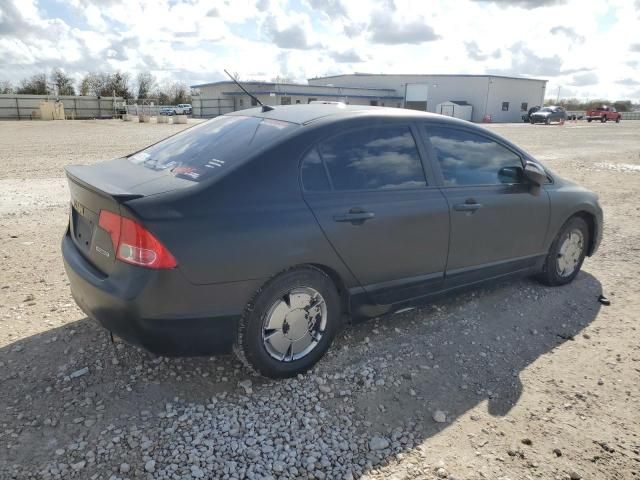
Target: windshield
(209, 148)
(547, 109)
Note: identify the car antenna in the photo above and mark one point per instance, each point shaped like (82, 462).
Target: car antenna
(265, 108)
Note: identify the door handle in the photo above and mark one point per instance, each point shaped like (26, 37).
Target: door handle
(470, 205)
(356, 218)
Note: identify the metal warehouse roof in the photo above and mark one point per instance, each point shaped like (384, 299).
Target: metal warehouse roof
(314, 94)
(487, 75)
(229, 82)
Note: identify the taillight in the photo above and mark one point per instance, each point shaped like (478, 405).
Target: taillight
(135, 244)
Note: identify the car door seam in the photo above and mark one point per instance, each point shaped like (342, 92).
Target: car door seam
(326, 237)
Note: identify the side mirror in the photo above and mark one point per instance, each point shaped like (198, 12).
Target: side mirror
(535, 173)
(510, 175)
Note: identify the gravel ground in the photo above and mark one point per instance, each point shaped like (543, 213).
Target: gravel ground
(514, 381)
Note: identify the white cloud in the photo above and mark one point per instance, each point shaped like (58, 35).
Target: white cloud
(194, 40)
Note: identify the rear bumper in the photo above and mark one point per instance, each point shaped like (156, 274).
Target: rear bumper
(158, 310)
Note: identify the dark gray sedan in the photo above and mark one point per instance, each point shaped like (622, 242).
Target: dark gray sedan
(264, 230)
(547, 115)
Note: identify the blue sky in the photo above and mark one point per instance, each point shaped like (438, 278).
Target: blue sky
(587, 48)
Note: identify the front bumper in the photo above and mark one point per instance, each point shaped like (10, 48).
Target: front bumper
(537, 119)
(598, 227)
(158, 310)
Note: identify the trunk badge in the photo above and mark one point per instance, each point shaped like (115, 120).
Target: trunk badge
(102, 251)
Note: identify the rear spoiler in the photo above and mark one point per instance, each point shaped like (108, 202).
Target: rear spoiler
(94, 179)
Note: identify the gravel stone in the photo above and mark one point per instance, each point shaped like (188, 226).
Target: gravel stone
(367, 410)
(439, 416)
(378, 443)
(150, 466)
(79, 373)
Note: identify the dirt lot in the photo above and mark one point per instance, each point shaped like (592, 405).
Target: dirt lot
(525, 381)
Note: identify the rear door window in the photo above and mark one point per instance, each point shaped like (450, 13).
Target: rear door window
(211, 147)
(373, 159)
(314, 175)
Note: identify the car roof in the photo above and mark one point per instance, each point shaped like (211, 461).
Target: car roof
(307, 113)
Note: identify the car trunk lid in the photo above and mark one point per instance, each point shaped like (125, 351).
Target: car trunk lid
(108, 186)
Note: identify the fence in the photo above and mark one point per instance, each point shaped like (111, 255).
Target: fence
(19, 107)
(211, 107)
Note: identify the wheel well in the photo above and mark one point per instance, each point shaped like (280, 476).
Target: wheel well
(339, 284)
(591, 223)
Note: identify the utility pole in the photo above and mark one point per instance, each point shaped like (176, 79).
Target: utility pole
(558, 97)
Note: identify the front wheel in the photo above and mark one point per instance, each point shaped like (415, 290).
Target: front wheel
(603, 119)
(566, 254)
(618, 120)
(290, 324)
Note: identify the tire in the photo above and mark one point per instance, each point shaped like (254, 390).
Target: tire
(618, 120)
(565, 258)
(589, 120)
(603, 119)
(271, 351)
(547, 121)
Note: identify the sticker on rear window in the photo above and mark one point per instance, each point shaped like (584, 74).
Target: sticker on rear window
(214, 163)
(186, 171)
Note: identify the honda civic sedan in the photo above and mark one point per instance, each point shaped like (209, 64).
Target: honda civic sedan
(264, 231)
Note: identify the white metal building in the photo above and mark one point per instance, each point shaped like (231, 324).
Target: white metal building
(503, 99)
(212, 99)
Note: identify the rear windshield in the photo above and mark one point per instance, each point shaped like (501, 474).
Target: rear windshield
(211, 147)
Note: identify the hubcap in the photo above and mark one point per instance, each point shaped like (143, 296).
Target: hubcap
(294, 324)
(570, 253)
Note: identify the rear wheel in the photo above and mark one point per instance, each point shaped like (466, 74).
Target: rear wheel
(547, 121)
(618, 120)
(290, 324)
(566, 254)
(589, 120)
(603, 119)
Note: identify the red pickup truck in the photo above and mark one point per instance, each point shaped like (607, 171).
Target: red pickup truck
(603, 114)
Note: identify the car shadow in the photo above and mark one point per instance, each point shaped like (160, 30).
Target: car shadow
(383, 378)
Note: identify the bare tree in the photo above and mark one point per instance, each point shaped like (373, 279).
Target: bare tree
(62, 84)
(35, 85)
(103, 84)
(6, 87)
(172, 93)
(94, 83)
(118, 85)
(146, 84)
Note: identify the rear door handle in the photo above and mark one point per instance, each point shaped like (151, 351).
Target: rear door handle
(467, 206)
(354, 217)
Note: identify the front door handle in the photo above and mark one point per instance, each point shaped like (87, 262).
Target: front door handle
(357, 218)
(470, 205)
